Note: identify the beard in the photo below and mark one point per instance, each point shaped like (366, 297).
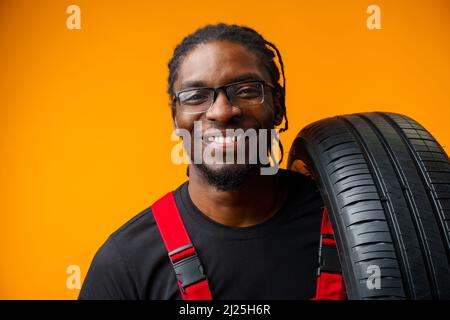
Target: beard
(228, 178)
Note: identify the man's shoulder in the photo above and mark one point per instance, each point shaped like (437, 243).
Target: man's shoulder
(299, 181)
(303, 191)
(128, 242)
(137, 233)
(142, 225)
(123, 263)
(138, 223)
(140, 232)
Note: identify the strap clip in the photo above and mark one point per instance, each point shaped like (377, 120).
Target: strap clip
(329, 260)
(188, 270)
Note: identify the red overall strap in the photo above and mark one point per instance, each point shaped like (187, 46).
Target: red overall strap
(188, 268)
(330, 283)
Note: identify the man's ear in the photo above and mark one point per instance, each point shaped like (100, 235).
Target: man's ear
(278, 119)
(174, 119)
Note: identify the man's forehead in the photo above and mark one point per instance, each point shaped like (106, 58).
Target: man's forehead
(218, 63)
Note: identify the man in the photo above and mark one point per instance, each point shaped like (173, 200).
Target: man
(255, 236)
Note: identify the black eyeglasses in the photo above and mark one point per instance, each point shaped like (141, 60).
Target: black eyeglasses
(241, 94)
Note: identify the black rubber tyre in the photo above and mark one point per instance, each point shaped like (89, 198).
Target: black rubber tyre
(386, 184)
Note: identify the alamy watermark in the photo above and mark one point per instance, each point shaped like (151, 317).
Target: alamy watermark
(374, 279)
(73, 281)
(373, 21)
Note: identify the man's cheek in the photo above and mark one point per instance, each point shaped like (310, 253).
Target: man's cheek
(184, 123)
(265, 116)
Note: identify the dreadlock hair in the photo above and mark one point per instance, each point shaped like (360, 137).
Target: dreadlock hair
(244, 36)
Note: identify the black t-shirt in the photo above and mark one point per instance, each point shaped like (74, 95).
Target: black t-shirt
(276, 259)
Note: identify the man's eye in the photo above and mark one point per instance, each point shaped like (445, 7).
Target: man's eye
(248, 92)
(194, 98)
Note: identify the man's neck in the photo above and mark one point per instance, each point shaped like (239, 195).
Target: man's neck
(254, 202)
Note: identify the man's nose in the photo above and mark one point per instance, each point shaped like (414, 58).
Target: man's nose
(222, 109)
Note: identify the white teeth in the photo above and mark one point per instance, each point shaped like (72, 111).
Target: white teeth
(221, 139)
(224, 140)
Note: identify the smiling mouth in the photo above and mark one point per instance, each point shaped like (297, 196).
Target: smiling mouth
(225, 143)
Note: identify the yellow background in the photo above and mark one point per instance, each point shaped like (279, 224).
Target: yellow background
(84, 118)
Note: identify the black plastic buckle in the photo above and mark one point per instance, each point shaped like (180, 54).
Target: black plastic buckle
(188, 270)
(329, 260)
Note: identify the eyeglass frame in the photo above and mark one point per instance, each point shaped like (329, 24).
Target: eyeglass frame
(224, 88)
